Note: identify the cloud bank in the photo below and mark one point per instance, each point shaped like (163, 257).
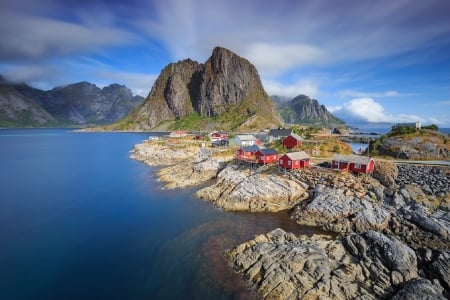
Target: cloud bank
(362, 110)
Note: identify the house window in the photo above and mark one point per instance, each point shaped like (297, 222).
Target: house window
(289, 162)
(357, 166)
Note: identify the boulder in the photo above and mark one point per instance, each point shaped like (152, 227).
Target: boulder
(420, 289)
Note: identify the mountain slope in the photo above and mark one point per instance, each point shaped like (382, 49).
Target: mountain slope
(223, 93)
(303, 109)
(16, 110)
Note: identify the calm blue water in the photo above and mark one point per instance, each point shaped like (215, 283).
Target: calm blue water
(80, 220)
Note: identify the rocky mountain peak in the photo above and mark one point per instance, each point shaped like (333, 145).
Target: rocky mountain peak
(303, 109)
(225, 84)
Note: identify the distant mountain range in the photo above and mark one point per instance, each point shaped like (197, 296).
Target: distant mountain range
(78, 104)
(304, 110)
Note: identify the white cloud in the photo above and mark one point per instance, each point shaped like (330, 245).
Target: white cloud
(368, 110)
(302, 87)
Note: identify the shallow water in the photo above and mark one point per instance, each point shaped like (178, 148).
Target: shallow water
(80, 220)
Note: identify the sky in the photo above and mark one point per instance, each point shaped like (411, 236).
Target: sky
(366, 61)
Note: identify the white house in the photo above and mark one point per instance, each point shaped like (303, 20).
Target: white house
(245, 140)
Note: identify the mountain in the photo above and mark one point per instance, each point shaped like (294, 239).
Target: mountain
(223, 93)
(16, 110)
(76, 104)
(84, 103)
(303, 109)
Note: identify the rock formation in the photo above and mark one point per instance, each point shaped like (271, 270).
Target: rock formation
(303, 109)
(418, 145)
(226, 87)
(239, 189)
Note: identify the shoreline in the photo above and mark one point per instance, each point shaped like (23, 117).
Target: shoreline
(399, 212)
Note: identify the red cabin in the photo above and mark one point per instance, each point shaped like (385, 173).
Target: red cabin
(247, 153)
(266, 156)
(353, 163)
(292, 141)
(294, 160)
(214, 136)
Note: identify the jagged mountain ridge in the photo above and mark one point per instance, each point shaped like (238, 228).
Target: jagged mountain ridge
(225, 92)
(303, 109)
(76, 104)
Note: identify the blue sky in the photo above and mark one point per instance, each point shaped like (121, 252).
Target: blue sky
(378, 61)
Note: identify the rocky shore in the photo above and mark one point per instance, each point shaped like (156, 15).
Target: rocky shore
(392, 229)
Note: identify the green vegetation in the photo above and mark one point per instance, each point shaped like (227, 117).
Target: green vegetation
(191, 121)
(433, 127)
(307, 132)
(401, 130)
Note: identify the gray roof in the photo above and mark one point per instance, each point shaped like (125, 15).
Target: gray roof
(268, 151)
(250, 148)
(352, 158)
(246, 137)
(300, 155)
(279, 132)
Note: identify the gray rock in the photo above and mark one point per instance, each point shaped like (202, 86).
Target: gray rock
(370, 265)
(419, 289)
(333, 210)
(241, 189)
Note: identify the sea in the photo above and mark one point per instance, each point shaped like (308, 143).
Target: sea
(79, 219)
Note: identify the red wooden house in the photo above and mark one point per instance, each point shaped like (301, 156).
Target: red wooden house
(266, 156)
(294, 160)
(215, 135)
(247, 153)
(292, 141)
(353, 163)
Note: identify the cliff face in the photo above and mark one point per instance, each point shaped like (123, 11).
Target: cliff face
(303, 109)
(226, 87)
(82, 103)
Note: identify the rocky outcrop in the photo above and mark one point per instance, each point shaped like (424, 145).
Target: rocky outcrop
(243, 189)
(185, 163)
(386, 173)
(333, 210)
(421, 145)
(203, 167)
(419, 289)
(165, 152)
(226, 86)
(370, 265)
(432, 180)
(303, 109)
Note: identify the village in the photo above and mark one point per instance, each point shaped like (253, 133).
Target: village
(255, 150)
